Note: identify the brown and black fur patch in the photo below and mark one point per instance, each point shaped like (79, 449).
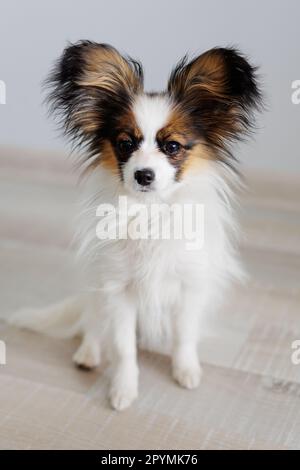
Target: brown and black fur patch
(219, 91)
(192, 145)
(126, 122)
(110, 156)
(107, 158)
(126, 129)
(90, 87)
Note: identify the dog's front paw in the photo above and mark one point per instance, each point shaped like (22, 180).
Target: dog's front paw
(187, 376)
(122, 399)
(124, 387)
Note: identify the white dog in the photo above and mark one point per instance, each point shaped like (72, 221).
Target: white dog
(163, 148)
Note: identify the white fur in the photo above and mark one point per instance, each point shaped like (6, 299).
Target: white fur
(149, 292)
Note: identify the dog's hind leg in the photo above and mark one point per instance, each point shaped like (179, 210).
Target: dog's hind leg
(88, 355)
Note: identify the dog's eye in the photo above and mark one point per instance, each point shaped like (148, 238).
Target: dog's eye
(125, 145)
(172, 147)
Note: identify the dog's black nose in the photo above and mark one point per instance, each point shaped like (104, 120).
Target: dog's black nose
(144, 177)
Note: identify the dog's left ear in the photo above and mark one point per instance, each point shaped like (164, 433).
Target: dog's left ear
(219, 90)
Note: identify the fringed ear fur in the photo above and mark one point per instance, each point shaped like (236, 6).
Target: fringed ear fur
(219, 90)
(90, 84)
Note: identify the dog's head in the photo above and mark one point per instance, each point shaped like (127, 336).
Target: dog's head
(150, 140)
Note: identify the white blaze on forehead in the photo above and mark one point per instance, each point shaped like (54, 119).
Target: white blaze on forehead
(152, 114)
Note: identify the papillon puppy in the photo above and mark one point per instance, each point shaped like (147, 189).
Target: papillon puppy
(172, 147)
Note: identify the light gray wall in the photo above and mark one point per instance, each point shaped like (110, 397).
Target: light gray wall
(158, 32)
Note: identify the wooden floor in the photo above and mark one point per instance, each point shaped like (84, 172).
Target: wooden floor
(250, 394)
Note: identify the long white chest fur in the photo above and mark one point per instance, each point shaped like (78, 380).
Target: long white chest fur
(158, 273)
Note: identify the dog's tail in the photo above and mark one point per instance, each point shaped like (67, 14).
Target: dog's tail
(61, 320)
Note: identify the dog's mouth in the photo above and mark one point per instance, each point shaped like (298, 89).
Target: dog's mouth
(137, 188)
(145, 190)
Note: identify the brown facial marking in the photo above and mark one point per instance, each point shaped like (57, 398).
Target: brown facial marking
(197, 156)
(109, 155)
(126, 138)
(107, 158)
(126, 123)
(179, 130)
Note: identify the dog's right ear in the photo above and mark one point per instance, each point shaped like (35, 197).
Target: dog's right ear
(89, 86)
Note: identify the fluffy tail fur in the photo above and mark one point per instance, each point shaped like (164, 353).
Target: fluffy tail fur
(61, 320)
